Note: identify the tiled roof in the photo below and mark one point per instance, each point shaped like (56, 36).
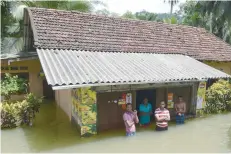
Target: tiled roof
(71, 67)
(55, 29)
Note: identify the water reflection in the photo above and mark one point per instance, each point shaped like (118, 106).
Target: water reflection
(52, 132)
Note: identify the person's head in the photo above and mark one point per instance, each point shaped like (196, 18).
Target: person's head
(162, 104)
(129, 107)
(180, 98)
(145, 100)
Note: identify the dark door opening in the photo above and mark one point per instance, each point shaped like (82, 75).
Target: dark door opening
(151, 96)
(48, 92)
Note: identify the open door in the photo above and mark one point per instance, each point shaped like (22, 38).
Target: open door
(150, 94)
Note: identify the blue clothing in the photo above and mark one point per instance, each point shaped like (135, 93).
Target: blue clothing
(145, 119)
(130, 133)
(180, 119)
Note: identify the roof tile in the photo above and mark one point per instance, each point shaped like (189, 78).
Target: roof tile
(58, 29)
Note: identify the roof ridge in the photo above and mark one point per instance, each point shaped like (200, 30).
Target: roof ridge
(118, 18)
(62, 29)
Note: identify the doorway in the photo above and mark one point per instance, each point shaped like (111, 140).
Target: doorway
(151, 96)
(48, 92)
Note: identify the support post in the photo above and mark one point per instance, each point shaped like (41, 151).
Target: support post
(85, 111)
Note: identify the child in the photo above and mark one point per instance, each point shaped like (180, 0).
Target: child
(130, 118)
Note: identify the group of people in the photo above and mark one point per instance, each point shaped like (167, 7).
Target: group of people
(161, 114)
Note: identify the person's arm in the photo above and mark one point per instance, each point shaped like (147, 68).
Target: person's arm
(168, 117)
(136, 118)
(129, 123)
(140, 112)
(184, 108)
(158, 118)
(176, 108)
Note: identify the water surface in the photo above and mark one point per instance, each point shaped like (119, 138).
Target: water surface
(52, 132)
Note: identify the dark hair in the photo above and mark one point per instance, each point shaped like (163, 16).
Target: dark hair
(128, 104)
(180, 97)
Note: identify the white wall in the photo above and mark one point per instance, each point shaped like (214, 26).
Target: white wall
(63, 100)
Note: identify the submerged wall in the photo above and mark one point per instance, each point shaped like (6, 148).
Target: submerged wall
(84, 110)
(63, 100)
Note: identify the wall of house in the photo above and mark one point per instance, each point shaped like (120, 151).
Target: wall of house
(64, 101)
(110, 113)
(223, 66)
(32, 67)
(185, 92)
(161, 95)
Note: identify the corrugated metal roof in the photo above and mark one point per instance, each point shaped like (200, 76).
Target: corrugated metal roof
(71, 67)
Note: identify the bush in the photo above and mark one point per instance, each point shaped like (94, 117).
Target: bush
(15, 113)
(12, 85)
(9, 115)
(32, 107)
(218, 97)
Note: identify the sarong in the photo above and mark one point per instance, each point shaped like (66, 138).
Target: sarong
(180, 119)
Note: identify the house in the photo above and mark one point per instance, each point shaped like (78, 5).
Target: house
(27, 66)
(95, 63)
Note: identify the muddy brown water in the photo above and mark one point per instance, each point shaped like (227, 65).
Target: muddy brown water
(52, 132)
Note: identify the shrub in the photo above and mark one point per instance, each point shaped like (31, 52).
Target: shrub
(15, 113)
(33, 105)
(12, 85)
(9, 115)
(218, 97)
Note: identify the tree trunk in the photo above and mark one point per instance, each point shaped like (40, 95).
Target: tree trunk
(211, 23)
(171, 7)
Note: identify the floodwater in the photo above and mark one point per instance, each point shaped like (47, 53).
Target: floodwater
(52, 132)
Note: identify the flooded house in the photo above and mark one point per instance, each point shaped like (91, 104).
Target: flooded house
(97, 64)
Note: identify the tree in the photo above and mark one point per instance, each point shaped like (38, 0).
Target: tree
(220, 17)
(192, 16)
(144, 15)
(218, 97)
(172, 3)
(129, 15)
(12, 29)
(172, 20)
(6, 18)
(106, 13)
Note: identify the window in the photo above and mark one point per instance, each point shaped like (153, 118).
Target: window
(13, 68)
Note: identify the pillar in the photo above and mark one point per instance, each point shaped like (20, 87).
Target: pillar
(84, 111)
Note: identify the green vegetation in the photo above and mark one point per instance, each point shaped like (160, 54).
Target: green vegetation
(20, 112)
(214, 16)
(172, 3)
(218, 98)
(12, 18)
(12, 85)
(14, 114)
